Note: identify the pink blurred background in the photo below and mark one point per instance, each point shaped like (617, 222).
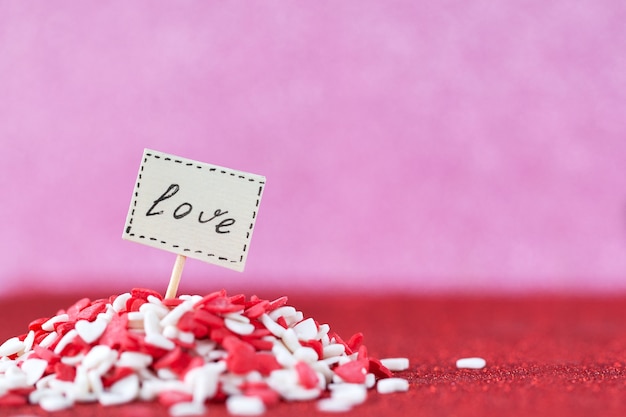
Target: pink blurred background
(426, 146)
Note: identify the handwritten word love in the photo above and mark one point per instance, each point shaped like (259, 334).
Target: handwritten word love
(185, 208)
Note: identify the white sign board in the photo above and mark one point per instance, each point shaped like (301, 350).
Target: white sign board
(194, 209)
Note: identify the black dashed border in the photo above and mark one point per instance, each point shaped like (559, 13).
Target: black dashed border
(198, 166)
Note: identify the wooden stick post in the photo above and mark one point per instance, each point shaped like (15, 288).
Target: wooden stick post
(177, 271)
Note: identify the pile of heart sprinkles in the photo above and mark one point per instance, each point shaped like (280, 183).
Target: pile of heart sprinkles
(186, 352)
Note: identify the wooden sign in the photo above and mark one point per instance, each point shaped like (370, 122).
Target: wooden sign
(194, 209)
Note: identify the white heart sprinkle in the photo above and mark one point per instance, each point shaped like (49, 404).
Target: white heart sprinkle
(34, 369)
(395, 364)
(90, 331)
(11, 346)
(471, 363)
(238, 327)
(390, 385)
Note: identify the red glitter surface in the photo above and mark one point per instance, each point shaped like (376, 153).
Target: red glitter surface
(545, 355)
